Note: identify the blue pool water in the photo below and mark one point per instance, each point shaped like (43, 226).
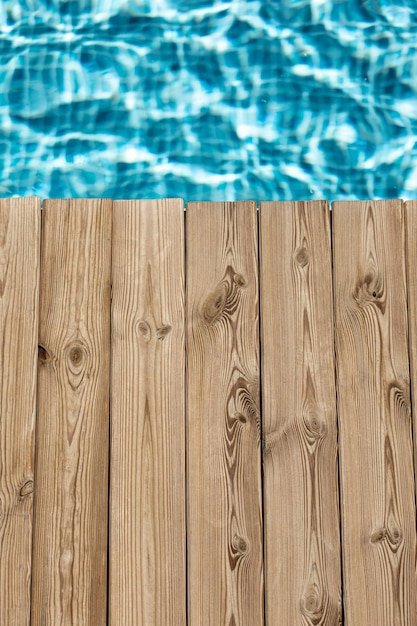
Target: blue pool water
(238, 99)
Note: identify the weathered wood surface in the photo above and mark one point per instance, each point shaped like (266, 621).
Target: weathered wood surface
(223, 447)
(71, 494)
(411, 262)
(152, 396)
(377, 487)
(19, 285)
(299, 415)
(147, 495)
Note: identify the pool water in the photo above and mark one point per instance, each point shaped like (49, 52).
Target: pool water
(227, 100)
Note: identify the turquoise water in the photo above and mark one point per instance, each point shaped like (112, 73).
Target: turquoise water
(290, 99)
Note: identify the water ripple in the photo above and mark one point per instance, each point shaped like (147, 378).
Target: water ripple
(228, 100)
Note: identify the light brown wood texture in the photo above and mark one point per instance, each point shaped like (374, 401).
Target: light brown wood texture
(223, 446)
(131, 363)
(411, 263)
(377, 486)
(147, 497)
(19, 293)
(301, 517)
(71, 463)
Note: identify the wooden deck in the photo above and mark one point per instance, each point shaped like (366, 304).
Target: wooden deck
(205, 416)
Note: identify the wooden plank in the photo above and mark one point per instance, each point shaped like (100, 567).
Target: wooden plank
(70, 522)
(147, 476)
(19, 293)
(411, 267)
(302, 545)
(223, 449)
(377, 484)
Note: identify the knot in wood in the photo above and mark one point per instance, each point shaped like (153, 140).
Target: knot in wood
(27, 488)
(240, 545)
(143, 330)
(239, 280)
(77, 361)
(302, 256)
(379, 535)
(215, 304)
(369, 290)
(163, 331)
(395, 536)
(311, 607)
(315, 426)
(76, 355)
(44, 357)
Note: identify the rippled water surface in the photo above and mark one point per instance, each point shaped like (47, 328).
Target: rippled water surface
(288, 99)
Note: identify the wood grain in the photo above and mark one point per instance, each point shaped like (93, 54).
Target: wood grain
(377, 486)
(19, 294)
(411, 266)
(147, 497)
(70, 522)
(223, 447)
(302, 545)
